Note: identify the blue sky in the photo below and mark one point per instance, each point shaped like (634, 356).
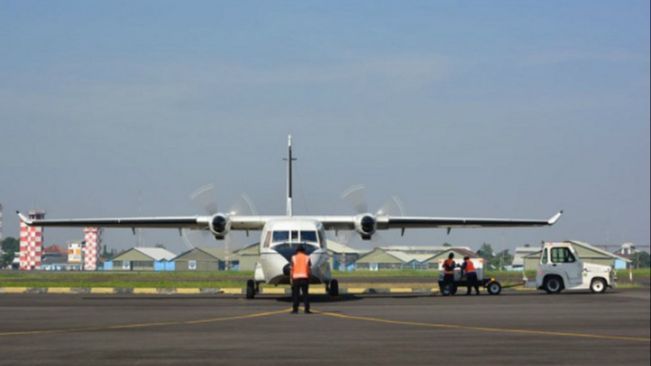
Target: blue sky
(498, 109)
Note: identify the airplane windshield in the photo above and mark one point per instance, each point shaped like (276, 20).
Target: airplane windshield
(281, 236)
(303, 236)
(309, 236)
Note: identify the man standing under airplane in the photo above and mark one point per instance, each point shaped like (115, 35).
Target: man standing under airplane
(300, 277)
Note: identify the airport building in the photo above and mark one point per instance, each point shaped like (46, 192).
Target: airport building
(436, 261)
(520, 254)
(248, 256)
(206, 259)
(142, 259)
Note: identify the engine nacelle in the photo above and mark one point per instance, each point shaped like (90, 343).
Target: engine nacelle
(219, 226)
(366, 225)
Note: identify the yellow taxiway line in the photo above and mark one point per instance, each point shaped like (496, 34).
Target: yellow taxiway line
(144, 325)
(484, 329)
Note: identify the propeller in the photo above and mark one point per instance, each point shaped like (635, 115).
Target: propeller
(205, 198)
(367, 221)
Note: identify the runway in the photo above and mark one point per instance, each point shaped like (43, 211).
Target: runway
(513, 328)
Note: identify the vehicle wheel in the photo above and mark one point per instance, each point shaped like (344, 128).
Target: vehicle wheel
(494, 288)
(553, 285)
(334, 288)
(250, 289)
(598, 286)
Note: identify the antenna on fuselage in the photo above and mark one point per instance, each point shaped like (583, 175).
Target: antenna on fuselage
(289, 160)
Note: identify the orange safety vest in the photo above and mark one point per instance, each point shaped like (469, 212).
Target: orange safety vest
(470, 267)
(300, 266)
(448, 266)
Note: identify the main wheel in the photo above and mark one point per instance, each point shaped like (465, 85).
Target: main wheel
(494, 288)
(250, 289)
(598, 286)
(553, 284)
(334, 288)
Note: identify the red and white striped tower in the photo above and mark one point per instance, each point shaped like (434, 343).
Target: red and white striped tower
(31, 243)
(93, 240)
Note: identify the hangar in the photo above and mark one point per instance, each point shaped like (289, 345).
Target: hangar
(205, 259)
(142, 259)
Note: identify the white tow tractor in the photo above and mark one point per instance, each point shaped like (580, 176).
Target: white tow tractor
(560, 268)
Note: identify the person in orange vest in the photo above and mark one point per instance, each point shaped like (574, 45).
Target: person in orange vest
(300, 277)
(471, 275)
(448, 270)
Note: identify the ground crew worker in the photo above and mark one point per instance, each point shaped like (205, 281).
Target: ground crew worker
(471, 275)
(448, 271)
(300, 277)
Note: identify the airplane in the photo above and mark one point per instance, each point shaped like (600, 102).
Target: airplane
(282, 234)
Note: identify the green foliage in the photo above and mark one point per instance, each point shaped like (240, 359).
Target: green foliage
(10, 246)
(640, 260)
(497, 261)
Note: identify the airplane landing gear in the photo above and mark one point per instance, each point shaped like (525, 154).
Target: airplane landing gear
(251, 289)
(333, 289)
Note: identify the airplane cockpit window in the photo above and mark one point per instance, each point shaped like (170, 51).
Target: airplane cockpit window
(294, 236)
(309, 237)
(280, 236)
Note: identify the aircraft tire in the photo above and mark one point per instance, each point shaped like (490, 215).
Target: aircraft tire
(250, 289)
(334, 288)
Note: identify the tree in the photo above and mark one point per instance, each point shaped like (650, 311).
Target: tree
(640, 260)
(502, 259)
(486, 252)
(10, 246)
(494, 260)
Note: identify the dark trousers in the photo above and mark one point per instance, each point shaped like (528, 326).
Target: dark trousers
(471, 278)
(300, 285)
(448, 279)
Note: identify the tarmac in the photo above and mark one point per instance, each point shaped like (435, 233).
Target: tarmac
(514, 328)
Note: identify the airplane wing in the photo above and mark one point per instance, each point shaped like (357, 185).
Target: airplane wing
(410, 222)
(191, 222)
(160, 222)
(461, 222)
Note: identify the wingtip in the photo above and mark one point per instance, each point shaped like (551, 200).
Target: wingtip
(555, 218)
(23, 218)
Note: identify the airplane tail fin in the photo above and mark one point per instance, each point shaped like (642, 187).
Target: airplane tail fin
(290, 160)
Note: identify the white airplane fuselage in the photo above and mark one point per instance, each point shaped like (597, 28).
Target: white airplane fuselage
(278, 242)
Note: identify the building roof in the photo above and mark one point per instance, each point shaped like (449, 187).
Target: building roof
(521, 253)
(421, 249)
(340, 248)
(408, 257)
(54, 249)
(156, 253)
